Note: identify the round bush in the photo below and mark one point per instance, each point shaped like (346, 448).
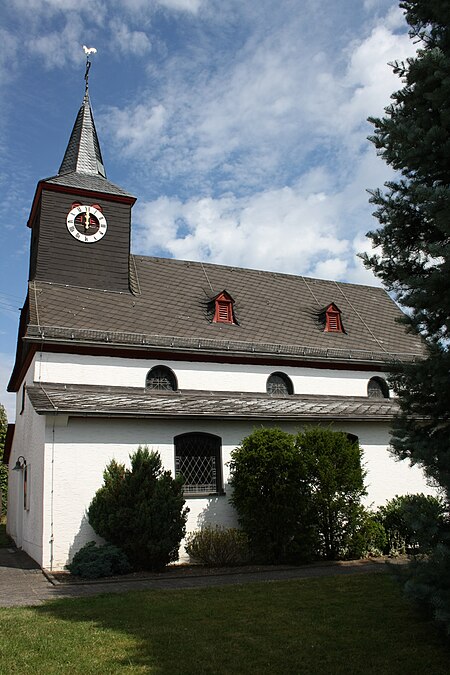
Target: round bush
(218, 546)
(92, 561)
(413, 523)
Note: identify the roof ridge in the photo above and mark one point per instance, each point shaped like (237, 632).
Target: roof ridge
(237, 268)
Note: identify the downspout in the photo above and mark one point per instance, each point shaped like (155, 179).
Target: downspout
(51, 494)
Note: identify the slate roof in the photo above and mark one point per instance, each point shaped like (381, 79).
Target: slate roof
(82, 400)
(82, 166)
(87, 182)
(171, 307)
(83, 152)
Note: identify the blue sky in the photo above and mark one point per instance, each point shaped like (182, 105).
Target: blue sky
(240, 126)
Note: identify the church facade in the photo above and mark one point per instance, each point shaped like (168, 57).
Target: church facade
(118, 350)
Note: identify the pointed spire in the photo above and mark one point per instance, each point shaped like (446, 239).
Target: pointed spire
(83, 154)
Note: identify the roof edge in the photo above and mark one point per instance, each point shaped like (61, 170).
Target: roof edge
(120, 340)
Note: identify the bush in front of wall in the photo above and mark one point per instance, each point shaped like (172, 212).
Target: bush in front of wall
(141, 510)
(271, 497)
(92, 561)
(334, 475)
(368, 538)
(218, 546)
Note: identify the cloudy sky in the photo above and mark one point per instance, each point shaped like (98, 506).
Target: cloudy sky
(239, 125)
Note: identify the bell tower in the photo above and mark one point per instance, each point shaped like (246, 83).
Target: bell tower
(80, 221)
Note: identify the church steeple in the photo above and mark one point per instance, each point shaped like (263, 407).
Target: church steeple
(83, 154)
(81, 221)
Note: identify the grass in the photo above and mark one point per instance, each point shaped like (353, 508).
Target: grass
(354, 624)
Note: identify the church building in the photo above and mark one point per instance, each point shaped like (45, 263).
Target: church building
(117, 350)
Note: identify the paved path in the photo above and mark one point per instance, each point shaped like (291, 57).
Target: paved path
(22, 583)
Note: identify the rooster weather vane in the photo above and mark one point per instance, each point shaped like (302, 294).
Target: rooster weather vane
(88, 51)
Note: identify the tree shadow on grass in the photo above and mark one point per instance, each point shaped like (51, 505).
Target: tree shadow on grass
(357, 624)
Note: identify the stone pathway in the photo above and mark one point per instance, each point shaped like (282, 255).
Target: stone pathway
(22, 583)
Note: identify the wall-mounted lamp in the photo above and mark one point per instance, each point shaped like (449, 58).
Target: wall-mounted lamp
(20, 465)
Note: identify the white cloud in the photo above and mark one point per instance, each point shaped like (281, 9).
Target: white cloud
(291, 229)
(59, 48)
(8, 55)
(129, 41)
(184, 5)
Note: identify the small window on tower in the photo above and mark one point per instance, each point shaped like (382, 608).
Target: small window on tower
(333, 321)
(223, 312)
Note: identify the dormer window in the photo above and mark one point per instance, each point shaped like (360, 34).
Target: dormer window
(333, 322)
(223, 309)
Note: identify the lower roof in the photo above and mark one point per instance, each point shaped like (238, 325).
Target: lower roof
(93, 401)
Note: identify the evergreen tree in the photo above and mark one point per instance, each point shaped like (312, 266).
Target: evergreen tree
(141, 510)
(3, 467)
(414, 259)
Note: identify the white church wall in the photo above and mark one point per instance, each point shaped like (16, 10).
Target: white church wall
(82, 449)
(25, 514)
(122, 372)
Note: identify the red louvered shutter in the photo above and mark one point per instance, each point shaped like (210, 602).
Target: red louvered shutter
(223, 309)
(333, 322)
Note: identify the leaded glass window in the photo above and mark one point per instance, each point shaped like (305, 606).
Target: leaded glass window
(197, 460)
(377, 388)
(279, 384)
(161, 378)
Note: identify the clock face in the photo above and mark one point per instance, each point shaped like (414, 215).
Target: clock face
(86, 223)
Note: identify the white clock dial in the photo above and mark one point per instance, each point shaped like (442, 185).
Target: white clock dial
(86, 223)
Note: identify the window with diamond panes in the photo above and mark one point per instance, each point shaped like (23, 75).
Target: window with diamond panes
(279, 384)
(377, 388)
(197, 460)
(161, 378)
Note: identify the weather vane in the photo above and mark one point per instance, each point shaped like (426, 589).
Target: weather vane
(88, 51)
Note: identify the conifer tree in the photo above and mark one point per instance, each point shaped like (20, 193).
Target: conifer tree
(413, 258)
(3, 467)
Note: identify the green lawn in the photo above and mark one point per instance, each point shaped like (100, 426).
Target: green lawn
(354, 624)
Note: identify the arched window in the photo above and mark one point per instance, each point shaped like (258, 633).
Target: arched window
(377, 388)
(162, 378)
(279, 384)
(198, 461)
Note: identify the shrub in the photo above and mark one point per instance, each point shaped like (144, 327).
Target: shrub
(270, 494)
(141, 510)
(413, 523)
(368, 538)
(92, 561)
(218, 546)
(332, 468)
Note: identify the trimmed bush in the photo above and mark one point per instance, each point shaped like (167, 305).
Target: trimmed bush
(299, 498)
(332, 469)
(92, 561)
(271, 496)
(218, 546)
(141, 510)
